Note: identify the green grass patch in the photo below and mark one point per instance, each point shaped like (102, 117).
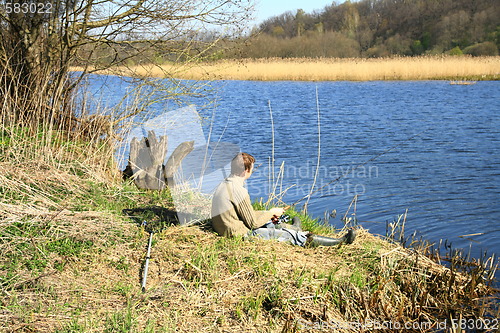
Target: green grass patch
(29, 245)
(69, 246)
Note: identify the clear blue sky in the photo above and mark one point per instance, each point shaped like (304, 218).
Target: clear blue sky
(265, 9)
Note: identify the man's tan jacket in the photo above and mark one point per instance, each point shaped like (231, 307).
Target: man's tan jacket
(232, 211)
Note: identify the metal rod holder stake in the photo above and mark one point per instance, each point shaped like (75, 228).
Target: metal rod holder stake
(145, 276)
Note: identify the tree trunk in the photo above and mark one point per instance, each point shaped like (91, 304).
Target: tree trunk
(146, 161)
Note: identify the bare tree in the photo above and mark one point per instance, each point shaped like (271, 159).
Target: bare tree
(41, 39)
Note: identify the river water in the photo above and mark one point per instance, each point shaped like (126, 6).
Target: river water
(428, 147)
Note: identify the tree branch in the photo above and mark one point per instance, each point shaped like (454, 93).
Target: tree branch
(110, 20)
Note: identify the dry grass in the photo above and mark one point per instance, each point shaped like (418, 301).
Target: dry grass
(418, 68)
(199, 282)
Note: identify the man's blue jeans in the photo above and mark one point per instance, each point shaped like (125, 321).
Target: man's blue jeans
(269, 231)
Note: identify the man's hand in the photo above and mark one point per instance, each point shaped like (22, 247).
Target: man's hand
(277, 211)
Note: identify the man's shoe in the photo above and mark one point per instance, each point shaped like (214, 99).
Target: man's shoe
(317, 240)
(350, 236)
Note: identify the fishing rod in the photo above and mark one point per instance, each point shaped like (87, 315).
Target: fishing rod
(358, 166)
(151, 226)
(148, 256)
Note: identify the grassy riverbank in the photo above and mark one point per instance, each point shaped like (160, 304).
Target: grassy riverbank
(328, 69)
(72, 262)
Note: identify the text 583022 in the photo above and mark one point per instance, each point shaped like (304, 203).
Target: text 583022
(475, 324)
(28, 7)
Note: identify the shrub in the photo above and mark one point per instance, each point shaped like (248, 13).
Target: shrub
(482, 49)
(455, 51)
(378, 51)
(417, 48)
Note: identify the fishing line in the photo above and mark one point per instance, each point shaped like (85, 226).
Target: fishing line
(344, 174)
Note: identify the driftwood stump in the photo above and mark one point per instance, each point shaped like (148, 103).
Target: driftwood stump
(146, 161)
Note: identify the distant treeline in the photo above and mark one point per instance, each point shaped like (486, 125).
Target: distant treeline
(378, 28)
(365, 28)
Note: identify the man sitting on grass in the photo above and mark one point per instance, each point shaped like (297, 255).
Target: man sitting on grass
(233, 214)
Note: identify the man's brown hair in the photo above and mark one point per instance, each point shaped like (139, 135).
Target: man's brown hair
(241, 162)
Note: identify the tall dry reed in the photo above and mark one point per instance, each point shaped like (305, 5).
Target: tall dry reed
(328, 69)
(48, 152)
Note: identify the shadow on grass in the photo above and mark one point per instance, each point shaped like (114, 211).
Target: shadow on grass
(156, 218)
(153, 218)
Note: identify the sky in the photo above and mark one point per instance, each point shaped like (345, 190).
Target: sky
(265, 9)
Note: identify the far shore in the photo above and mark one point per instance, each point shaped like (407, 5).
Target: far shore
(453, 68)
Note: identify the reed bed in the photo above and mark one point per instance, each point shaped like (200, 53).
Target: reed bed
(327, 69)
